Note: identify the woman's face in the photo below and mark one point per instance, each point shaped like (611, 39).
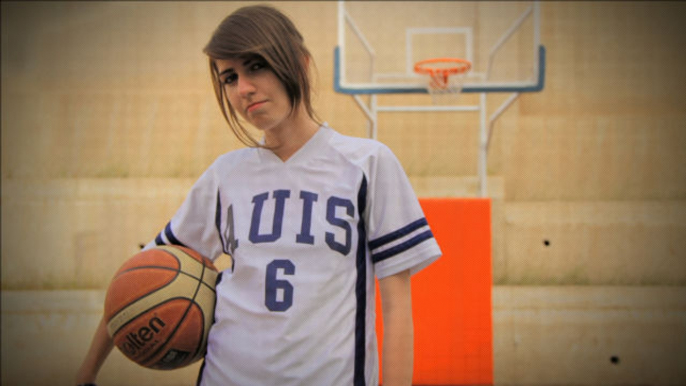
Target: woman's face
(254, 91)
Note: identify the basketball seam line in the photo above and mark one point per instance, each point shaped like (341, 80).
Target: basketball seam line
(192, 301)
(178, 271)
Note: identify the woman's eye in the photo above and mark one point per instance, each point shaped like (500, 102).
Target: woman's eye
(257, 66)
(230, 79)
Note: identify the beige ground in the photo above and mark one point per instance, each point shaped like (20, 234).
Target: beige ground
(542, 336)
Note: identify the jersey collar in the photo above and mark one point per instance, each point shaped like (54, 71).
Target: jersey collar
(310, 147)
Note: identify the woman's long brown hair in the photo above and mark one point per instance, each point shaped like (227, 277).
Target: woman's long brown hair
(265, 32)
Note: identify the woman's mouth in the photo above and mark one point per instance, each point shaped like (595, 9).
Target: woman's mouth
(253, 106)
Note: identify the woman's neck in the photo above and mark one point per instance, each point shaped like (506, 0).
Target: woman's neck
(286, 139)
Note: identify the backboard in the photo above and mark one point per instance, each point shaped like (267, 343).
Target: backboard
(379, 43)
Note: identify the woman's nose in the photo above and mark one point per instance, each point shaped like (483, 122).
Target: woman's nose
(245, 86)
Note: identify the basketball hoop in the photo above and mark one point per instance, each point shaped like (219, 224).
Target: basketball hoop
(446, 76)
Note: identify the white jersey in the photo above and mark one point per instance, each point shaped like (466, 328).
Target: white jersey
(307, 237)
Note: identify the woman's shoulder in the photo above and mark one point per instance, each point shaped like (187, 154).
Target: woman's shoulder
(231, 159)
(358, 147)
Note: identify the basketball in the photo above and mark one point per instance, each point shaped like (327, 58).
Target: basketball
(160, 305)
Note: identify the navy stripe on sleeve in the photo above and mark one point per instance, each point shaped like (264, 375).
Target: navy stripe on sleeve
(406, 230)
(158, 239)
(170, 235)
(402, 247)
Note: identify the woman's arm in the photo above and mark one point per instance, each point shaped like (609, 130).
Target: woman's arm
(398, 339)
(100, 348)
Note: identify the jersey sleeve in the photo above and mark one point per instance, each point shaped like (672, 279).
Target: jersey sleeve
(193, 224)
(399, 236)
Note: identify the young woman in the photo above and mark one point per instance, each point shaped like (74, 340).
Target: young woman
(310, 218)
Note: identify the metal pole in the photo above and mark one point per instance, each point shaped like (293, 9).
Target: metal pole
(483, 138)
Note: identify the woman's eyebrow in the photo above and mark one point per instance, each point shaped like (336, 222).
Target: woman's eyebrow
(245, 63)
(226, 71)
(249, 60)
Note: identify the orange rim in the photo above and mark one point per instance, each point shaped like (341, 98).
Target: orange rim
(461, 66)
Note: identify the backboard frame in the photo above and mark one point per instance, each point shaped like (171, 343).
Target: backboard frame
(418, 83)
(344, 86)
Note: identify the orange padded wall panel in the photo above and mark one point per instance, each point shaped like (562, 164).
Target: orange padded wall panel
(452, 297)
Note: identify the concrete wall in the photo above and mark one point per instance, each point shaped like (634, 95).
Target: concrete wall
(108, 117)
(589, 335)
(121, 89)
(88, 226)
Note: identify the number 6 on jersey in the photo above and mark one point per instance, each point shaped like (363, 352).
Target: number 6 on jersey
(271, 300)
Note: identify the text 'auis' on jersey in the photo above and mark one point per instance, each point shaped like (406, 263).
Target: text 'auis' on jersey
(334, 207)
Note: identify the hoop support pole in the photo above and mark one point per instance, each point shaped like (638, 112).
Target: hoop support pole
(483, 150)
(371, 131)
(497, 114)
(506, 36)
